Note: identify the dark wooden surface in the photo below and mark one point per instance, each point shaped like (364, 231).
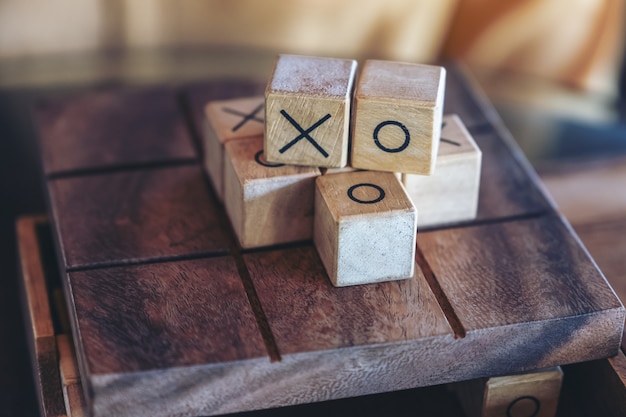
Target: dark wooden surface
(592, 194)
(516, 272)
(109, 129)
(136, 215)
(306, 313)
(164, 315)
(596, 383)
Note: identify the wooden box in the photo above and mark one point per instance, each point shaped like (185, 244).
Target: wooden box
(171, 318)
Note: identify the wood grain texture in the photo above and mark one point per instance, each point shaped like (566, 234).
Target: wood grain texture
(37, 300)
(306, 313)
(397, 117)
(590, 194)
(451, 193)
(164, 315)
(173, 375)
(112, 128)
(40, 329)
(533, 393)
(130, 216)
(515, 272)
(226, 120)
(606, 244)
(307, 113)
(435, 401)
(267, 203)
(70, 378)
(364, 228)
(549, 277)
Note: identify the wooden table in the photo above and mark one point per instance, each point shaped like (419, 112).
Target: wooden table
(168, 314)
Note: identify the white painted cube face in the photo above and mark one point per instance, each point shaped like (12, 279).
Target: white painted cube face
(375, 249)
(364, 228)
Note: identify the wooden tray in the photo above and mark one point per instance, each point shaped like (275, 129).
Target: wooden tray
(590, 389)
(170, 317)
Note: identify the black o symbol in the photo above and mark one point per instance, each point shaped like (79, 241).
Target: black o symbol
(407, 136)
(525, 397)
(381, 193)
(257, 158)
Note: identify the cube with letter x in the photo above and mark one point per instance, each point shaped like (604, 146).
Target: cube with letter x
(307, 111)
(397, 117)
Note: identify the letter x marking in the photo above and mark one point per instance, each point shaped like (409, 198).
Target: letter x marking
(304, 134)
(246, 116)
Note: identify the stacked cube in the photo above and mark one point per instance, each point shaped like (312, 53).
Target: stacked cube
(285, 177)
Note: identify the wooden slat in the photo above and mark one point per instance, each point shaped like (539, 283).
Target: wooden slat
(164, 315)
(306, 313)
(164, 337)
(135, 216)
(607, 245)
(108, 129)
(40, 329)
(33, 276)
(528, 271)
(70, 378)
(592, 195)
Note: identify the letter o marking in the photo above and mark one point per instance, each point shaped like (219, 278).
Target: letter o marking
(257, 158)
(534, 413)
(381, 193)
(407, 136)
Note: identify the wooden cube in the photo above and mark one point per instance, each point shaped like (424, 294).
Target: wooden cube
(451, 193)
(227, 120)
(365, 227)
(535, 393)
(397, 117)
(267, 203)
(308, 111)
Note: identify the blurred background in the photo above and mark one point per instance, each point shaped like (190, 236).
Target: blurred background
(543, 62)
(554, 69)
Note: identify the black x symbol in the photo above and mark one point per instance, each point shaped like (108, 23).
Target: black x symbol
(451, 142)
(246, 117)
(304, 134)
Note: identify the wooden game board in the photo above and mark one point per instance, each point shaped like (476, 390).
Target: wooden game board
(170, 317)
